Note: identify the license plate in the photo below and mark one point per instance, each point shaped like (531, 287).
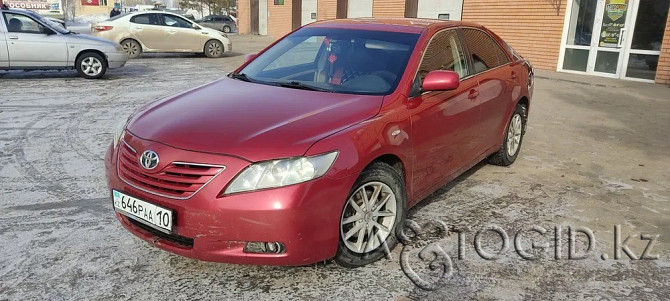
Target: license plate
(145, 212)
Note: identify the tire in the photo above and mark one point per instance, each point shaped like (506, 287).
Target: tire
(353, 252)
(91, 65)
(213, 48)
(511, 146)
(132, 48)
(226, 29)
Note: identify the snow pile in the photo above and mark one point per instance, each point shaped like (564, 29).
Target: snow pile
(90, 18)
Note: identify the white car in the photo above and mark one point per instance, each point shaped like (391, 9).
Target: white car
(159, 31)
(28, 41)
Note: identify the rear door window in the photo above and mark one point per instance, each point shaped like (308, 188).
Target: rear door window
(484, 51)
(148, 19)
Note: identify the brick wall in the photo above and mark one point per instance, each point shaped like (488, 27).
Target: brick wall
(388, 8)
(243, 16)
(326, 9)
(279, 18)
(533, 27)
(663, 70)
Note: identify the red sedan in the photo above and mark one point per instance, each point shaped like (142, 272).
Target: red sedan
(316, 147)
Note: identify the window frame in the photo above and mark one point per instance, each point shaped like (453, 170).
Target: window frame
(162, 21)
(41, 26)
(149, 16)
(467, 49)
(416, 87)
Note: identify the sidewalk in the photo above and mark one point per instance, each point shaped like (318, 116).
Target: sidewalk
(590, 79)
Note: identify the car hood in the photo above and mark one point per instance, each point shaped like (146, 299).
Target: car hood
(87, 39)
(252, 121)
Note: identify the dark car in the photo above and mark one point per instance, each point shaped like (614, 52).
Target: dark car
(219, 22)
(320, 143)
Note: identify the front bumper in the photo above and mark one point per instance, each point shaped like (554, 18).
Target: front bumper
(116, 59)
(304, 217)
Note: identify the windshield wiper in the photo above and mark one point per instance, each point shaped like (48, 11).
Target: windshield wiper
(240, 76)
(299, 85)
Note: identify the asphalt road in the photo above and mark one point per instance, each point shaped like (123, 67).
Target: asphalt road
(595, 156)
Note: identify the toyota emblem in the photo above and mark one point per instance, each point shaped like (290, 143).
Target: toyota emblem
(149, 159)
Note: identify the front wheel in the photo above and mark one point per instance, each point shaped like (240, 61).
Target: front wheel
(213, 48)
(511, 146)
(375, 207)
(91, 65)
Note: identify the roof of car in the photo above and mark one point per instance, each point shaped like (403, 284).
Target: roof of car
(409, 25)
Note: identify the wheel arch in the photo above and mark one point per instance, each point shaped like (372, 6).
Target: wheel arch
(83, 51)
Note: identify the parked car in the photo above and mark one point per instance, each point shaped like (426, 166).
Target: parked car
(158, 31)
(320, 143)
(219, 22)
(58, 22)
(29, 41)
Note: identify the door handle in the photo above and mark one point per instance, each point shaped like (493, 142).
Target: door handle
(138, 27)
(513, 74)
(622, 38)
(473, 94)
(13, 37)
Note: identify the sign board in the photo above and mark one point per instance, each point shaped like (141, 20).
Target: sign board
(614, 20)
(90, 2)
(39, 6)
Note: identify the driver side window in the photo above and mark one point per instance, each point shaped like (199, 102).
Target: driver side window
(23, 24)
(444, 53)
(174, 21)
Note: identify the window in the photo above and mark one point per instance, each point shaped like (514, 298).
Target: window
(338, 60)
(486, 53)
(174, 21)
(444, 53)
(149, 19)
(102, 2)
(443, 16)
(23, 24)
(303, 53)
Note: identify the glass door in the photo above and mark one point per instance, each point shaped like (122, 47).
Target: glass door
(644, 46)
(595, 37)
(612, 18)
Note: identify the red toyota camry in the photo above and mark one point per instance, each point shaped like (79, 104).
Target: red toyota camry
(316, 147)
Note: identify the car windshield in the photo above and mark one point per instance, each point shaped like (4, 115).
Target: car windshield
(335, 60)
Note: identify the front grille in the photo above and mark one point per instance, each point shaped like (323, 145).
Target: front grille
(182, 240)
(178, 180)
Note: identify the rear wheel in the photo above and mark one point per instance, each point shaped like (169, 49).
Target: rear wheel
(516, 128)
(213, 48)
(375, 207)
(91, 65)
(226, 29)
(132, 48)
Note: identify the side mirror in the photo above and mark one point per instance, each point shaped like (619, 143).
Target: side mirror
(48, 31)
(195, 26)
(441, 80)
(250, 57)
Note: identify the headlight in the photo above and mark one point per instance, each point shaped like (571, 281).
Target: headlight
(118, 132)
(278, 173)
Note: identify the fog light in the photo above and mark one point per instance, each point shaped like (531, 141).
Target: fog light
(264, 247)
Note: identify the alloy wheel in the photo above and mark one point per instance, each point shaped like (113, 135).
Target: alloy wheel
(91, 66)
(514, 135)
(130, 48)
(368, 217)
(214, 49)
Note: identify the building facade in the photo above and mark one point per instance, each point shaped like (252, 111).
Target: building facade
(628, 39)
